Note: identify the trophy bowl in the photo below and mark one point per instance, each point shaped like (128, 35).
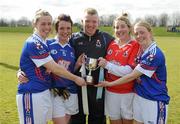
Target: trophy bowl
(91, 64)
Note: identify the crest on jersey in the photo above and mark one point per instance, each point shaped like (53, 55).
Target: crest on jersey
(38, 45)
(98, 43)
(150, 57)
(109, 52)
(125, 54)
(53, 51)
(137, 59)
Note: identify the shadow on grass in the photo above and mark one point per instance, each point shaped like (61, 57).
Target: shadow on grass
(12, 67)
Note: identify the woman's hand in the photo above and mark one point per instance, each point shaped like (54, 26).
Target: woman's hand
(80, 81)
(80, 60)
(103, 84)
(102, 62)
(22, 77)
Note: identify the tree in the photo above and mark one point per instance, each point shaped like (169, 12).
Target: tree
(13, 23)
(23, 21)
(3, 22)
(107, 20)
(151, 19)
(163, 20)
(176, 18)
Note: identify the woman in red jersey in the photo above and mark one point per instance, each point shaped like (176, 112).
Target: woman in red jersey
(119, 61)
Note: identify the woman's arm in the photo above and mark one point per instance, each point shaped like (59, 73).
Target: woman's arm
(118, 70)
(56, 69)
(114, 69)
(129, 77)
(62, 72)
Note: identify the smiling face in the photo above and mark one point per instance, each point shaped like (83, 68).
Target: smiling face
(90, 24)
(64, 31)
(143, 36)
(121, 30)
(43, 26)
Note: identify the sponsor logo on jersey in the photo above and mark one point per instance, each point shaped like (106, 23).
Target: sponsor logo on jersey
(64, 63)
(80, 43)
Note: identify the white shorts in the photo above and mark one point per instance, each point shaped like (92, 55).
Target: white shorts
(62, 107)
(148, 111)
(119, 106)
(34, 108)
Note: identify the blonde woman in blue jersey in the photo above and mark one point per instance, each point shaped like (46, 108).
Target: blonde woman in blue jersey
(151, 94)
(34, 98)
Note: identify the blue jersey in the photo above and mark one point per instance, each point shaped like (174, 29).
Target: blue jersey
(152, 84)
(35, 53)
(64, 56)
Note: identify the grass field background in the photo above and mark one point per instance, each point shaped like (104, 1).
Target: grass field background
(11, 42)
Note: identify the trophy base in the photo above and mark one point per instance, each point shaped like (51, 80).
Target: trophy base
(89, 80)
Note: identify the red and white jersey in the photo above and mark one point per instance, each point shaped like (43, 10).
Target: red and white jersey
(122, 56)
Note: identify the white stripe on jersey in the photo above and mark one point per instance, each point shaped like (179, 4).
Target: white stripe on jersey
(145, 72)
(40, 62)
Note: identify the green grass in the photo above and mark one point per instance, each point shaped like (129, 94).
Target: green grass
(10, 48)
(162, 31)
(16, 29)
(157, 31)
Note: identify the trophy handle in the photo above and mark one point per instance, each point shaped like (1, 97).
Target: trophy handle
(97, 67)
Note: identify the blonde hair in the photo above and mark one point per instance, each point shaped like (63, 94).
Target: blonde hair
(124, 18)
(38, 14)
(146, 25)
(91, 11)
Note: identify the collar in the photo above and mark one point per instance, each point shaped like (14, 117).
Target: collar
(150, 47)
(39, 38)
(121, 46)
(94, 35)
(62, 45)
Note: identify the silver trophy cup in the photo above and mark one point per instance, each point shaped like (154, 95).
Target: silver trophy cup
(91, 65)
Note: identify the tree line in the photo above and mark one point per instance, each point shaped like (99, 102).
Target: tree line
(161, 20)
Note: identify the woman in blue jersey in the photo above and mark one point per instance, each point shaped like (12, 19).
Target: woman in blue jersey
(34, 98)
(65, 99)
(151, 98)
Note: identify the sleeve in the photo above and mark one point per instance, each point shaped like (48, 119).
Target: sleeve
(149, 64)
(38, 53)
(118, 70)
(133, 55)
